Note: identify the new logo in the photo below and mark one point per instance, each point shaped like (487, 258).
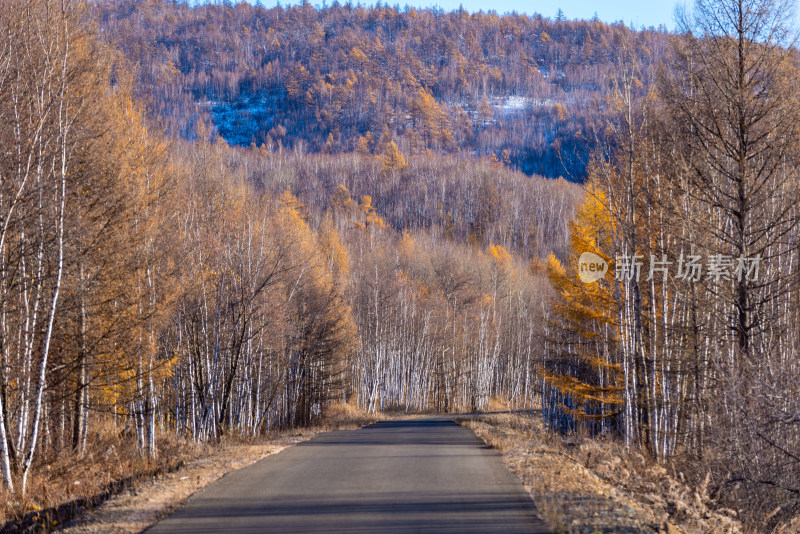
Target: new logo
(591, 267)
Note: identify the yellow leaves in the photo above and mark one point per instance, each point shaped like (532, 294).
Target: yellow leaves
(561, 110)
(407, 245)
(582, 391)
(593, 212)
(499, 253)
(586, 312)
(393, 159)
(357, 55)
(325, 260)
(336, 255)
(370, 216)
(292, 207)
(554, 267)
(581, 414)
(366, 204)
(599, 363)
(502, 258)
(430, 117)
(364, 144)
(340, 200)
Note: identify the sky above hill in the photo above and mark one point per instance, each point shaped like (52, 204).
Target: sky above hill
(637, 13)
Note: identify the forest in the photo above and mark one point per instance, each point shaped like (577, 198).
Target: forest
(222, 220)
(529, 91)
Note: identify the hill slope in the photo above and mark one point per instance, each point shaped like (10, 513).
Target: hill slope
(528, 90)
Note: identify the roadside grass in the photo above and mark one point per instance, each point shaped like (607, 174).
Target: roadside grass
(63, 482)
(64, 486)
(589, 485)
(579, 485)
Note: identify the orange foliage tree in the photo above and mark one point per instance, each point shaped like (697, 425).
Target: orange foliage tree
(582, 379)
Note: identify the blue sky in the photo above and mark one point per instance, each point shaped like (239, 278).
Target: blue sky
(638, 12)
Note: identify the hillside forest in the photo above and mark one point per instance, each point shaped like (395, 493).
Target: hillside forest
(222, 220)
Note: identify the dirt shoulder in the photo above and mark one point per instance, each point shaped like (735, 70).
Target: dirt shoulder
(591, 487)
(150, 500)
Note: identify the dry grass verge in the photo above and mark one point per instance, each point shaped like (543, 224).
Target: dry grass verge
(153, 499)
(111, 489)
(593, 486)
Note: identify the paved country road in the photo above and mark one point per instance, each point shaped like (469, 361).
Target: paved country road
(419, 475)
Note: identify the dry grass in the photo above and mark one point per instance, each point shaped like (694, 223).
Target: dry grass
(153, 499)
(579, 486)
(111, 488)
(591, 486)
(342, 416)
(110, 463)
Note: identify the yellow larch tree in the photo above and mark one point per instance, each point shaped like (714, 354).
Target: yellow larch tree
(583, 381)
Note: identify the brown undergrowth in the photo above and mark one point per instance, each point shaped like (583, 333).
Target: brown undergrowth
(112, 488)
(588, 486)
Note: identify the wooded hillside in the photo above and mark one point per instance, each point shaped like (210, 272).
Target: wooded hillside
(219, 221)
(528, 90)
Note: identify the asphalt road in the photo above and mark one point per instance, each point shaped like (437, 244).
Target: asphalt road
(419, 475)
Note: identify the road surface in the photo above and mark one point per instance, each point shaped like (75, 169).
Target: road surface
(419, 475)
